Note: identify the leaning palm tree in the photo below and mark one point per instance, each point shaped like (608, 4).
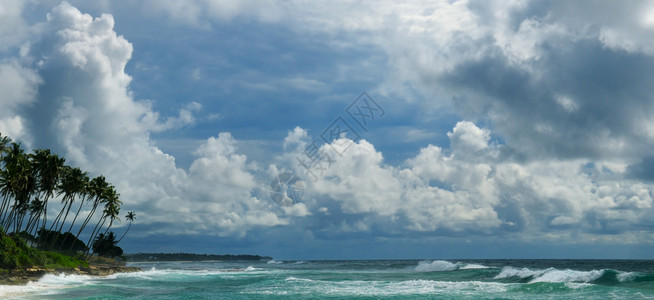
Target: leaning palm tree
(4, 146)
(5, 192)
(110, 199)
(36, 208)
(4, 149)
(129, 217)
(62, 188)
(112, 210)
(26, 189)
(49, 169)
(97, 191)
(72, 184)
(82, 182)
(17, 183)
(82, 192)
(9, 177)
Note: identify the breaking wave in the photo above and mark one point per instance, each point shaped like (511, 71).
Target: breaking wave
(602, 276)
(443, 265)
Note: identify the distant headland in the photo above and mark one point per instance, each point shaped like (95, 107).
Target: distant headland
(191, 257)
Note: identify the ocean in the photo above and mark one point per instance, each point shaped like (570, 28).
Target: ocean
(357, 279)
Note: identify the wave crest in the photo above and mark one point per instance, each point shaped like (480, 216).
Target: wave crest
(554, 275)
(602, 276)
(443, 265)
(551, 275)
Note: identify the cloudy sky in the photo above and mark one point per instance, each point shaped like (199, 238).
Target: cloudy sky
(489, 129)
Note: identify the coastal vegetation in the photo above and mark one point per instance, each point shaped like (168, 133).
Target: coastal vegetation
(32, 233)
(16, 254)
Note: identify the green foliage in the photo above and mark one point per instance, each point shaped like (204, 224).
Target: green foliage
(105, 245)
(64, 241)
(8, 252)
(15, 254)
(24, 260)
(56, 260)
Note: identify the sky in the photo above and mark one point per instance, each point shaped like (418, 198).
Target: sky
(420, 129)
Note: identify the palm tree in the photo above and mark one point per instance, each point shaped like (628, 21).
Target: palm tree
(109, 198)
(6, 179)
(4, 149)
(49, 169)
(36, 208)
(112, 209)
(4, 142)
(5, 192)
(17, 182)
(97, 190)
(83, 194)
(129, 217)
(65, 173)
(105, 245)
(72, 184)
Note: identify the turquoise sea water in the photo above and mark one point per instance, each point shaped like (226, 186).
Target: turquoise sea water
(373, 279)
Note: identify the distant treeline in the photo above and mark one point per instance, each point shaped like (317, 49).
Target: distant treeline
(191, 257)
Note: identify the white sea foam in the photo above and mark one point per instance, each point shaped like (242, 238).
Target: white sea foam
(275, 262)
(568, 276)
(47, 285)
(291, 278)
(383, 288)
(64, 279)
(472, 266)
(522, 273)
(577, 285)
(627, 276)
(551, 275)
(437, 265)
(443, 265)
(145, 275)
(156, 274)
(51, 284)
(10, 291)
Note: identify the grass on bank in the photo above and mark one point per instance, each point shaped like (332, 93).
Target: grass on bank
(16, 254)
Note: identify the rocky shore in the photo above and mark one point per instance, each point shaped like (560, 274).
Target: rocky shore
(19, 277)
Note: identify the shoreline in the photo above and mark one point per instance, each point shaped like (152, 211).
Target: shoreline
(23, 277)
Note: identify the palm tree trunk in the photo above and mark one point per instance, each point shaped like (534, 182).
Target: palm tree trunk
(94, 233)
(45, 209)
(121, 238)
(58, 219)
(33, 224)
(111, 222)
(70, 204)
(86, 221)
(77, 214)
(9, 219)
(3, 208)
(73, 223)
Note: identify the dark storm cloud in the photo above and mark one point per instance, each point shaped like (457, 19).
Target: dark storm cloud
(643, 170)
(608, 92)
